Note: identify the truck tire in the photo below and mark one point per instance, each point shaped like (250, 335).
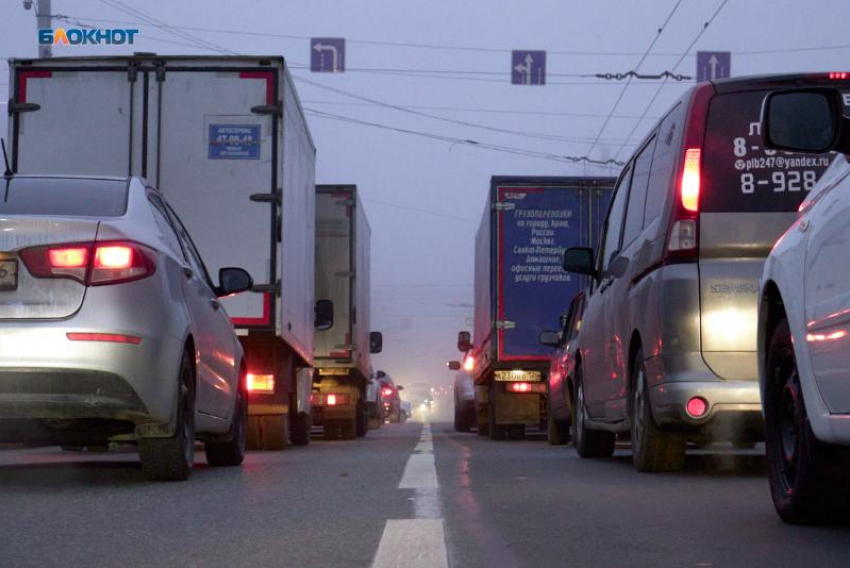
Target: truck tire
(558, 431)
(299, 428)
(362, 420)
(653, 449)
(496, 431)
(171, 459)
(516, 431)
(231, 451)
(808, 480)
(464, 418)
(374, 418)
(589, 443)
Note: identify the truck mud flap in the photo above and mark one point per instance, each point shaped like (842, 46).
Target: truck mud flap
(267, 432)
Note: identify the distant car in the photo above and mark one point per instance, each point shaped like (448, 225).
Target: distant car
(804, 321)
(668, 348)
(562, 372)
(406, 411)
(112, 328)
(390, 397)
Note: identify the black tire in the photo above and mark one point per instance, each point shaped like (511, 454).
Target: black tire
(558, 431)
(464, 418)
(457, 416)
(231, 451)
(808, 480)
(299, 427)
(516, 431)
(362, 419)
(495, 431)
(589, 443)
(653, 449)
(171, 459)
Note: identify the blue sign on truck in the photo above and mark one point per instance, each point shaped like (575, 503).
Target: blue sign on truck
(234, 142)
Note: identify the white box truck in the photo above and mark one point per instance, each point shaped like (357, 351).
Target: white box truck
(343, 349)
(225, 139)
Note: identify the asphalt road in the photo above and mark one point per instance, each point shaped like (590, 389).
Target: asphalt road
(407, 495)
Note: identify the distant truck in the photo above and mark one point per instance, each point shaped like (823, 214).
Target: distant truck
(343, 349)
(225, 139)
(521, 290)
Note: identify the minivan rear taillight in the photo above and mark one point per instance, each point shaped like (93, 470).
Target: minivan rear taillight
(683, 230)
(92, 264)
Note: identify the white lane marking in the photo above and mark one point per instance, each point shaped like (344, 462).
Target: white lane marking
(418, 542)
(412, 543)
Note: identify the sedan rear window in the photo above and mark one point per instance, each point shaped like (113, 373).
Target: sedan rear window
(63, 197)
(739, 174)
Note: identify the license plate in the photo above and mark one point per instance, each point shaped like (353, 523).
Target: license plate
(8, 274)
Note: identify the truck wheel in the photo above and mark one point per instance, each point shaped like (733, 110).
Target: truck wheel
(232, 451)
(374, 418)
(558, 431)
(465, 419)
(653, 449)
(807, 479)
(497, 431)
(516, 431)
(589, 443)
(362, 420)
(299, 428)
(171, 459)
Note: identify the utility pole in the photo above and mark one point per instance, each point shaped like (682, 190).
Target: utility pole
(43, 19)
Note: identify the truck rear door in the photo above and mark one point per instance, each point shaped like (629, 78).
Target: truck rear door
(216, 146)
(72, 120)
(534, 227)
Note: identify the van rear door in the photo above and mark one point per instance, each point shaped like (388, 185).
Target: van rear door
(749, 197)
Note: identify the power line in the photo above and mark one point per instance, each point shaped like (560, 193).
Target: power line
(474, 48)
(629, 81)
(417, 210)
(679, 62)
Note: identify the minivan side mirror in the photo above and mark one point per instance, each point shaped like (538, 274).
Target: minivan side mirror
(323, 315)
(454, 365)
(464, 341)
(376, 342)
(550, 338)
(233, 280)
(806, 120)
(580, 260)
(399, 388)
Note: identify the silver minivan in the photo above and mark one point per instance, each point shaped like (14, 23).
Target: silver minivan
(667, 352)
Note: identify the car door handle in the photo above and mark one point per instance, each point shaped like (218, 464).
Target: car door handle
(216, 305)
(188, 272)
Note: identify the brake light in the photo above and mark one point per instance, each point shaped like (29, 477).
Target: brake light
(469, 363)
(68, 257)
(526, 387)
(92, 264)
(261, 384)
(387, 392)
(697, 407)
(331, 400)
(839, 75)
(691, 180)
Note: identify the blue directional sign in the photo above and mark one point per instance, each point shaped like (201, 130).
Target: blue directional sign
(528, 67)
(713, 65)
(327, 55)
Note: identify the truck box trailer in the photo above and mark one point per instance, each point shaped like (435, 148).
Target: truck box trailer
(343, 351)
(225, 139)
(521, 289)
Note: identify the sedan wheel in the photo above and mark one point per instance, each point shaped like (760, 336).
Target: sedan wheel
(589, 443)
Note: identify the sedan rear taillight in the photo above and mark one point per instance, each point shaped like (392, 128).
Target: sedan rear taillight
(92, 264)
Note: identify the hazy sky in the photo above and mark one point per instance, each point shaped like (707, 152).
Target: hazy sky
(422, 262)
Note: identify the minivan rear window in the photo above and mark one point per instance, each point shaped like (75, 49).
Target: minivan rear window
(63, 197)
(739, 174)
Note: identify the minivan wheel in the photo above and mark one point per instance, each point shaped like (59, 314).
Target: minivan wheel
(653, 449)
(558, 431)
(589, 443)
(807, 478)
(231, 452)
(171, 459)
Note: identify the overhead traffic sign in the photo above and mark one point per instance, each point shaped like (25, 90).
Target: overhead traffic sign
(327, 54)
(528, 67)
(713, 65)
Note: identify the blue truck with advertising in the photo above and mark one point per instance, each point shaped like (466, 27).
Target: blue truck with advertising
(521, 289)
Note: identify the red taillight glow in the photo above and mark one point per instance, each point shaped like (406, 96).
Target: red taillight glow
(262, 384)
(387, 392)
(92, 264)
(697, 407)
(526, 387)
(469, 363)
(116, 256)
(107, 337)
(76, 257)
(691, 180)
(331, 400)
(839, 75)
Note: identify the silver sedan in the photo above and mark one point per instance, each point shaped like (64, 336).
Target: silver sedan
(111, 328)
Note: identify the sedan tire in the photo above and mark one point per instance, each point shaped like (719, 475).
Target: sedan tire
(589, 443)
(808, 480)
(231, 451)
(171, 459)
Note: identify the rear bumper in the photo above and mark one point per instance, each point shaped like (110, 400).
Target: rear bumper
(734, 407)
